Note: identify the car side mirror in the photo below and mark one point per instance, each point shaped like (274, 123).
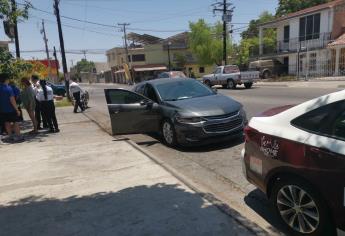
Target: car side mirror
(147, 103)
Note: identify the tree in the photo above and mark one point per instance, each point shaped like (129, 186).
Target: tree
(289, 6)
(206, 42)
(21, 13)
(180, 60)
(83, 66)
(253, 29)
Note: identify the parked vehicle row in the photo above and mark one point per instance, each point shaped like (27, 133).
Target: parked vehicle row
(230, 76)
(295, 154)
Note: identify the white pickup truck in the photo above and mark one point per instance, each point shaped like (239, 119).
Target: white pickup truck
(230, 76)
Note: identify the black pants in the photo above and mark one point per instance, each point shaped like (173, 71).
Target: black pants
(38, 114)
(48, 109)
(77, 102)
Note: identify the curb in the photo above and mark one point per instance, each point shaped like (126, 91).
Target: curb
(273, 85)
(223, 207)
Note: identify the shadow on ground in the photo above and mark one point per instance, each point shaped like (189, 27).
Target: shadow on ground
(144, 210)
(257, 201)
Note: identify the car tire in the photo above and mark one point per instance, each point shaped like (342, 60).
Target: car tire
(248, 85)
(231, 84)
(294, 217)
(168, 133)
(266, 74)
(208, 83)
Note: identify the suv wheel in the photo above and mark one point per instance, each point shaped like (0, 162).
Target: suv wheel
(248, 85)
(231, 84)
(168, 133)
(300, 208)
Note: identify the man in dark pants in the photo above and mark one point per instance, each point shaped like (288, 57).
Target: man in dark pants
(76, 91)
(38, 110)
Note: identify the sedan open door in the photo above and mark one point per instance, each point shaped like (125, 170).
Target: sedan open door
(131, 113)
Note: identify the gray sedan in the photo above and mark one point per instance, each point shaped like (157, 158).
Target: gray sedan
(183, 111)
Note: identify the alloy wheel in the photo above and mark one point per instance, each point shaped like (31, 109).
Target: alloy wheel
(230, 84)
(298, 209)
(168, 132)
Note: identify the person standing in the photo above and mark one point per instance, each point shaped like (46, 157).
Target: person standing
(40, 118)
(16, 92)
(76, 91)
(28, 98)
(45, 97)
(9, 112)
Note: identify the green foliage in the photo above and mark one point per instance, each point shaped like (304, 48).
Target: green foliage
(21, 12)
(289, 6)
(84, 66)
(253, 29)
(206, 42)
(15, 68)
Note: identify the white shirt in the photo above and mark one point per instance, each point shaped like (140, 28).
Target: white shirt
(74, 88)
(40, 94)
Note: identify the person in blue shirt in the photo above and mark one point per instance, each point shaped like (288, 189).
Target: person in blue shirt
(9, 113)
(16, 92)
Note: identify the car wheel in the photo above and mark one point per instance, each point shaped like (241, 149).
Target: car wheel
(300, 208)
(266, 74)
(168, 133)
(248, 85)
(208, 83)
(231, 84)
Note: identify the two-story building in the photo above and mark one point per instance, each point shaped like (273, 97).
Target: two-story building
(310, 42)
(149, 55)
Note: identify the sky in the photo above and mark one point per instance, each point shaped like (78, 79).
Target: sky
(161, 18)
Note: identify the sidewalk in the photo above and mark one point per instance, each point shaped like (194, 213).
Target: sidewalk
(83, 182)
(317, 83)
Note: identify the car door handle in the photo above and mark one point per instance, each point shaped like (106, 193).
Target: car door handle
(321, 150)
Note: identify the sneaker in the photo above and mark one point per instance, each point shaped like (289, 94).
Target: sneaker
(57, 131)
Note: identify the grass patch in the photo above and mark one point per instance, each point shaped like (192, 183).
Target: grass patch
(63, 103)
(285, 78)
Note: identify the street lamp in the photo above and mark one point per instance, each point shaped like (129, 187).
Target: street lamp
(169, 44)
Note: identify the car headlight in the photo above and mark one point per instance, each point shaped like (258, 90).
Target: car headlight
(244, 116)
(189, 120)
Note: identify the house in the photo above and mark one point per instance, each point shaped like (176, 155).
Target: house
(149, 55)
(4, 44)
(310, 42)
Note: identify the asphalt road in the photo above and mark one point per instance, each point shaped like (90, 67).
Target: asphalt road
(217, 169)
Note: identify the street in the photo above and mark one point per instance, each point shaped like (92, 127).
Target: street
(217, 169)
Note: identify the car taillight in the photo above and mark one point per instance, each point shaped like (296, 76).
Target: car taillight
(250, 133)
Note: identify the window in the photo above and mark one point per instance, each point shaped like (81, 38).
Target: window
(312, 61)
(218, 71)
(309, 27)
(202, 70)
(286, 33)
(140, 89)
(321, 119)
(231, 69)
(123, 97)
(150, 93)
(137, 57)
(338, 127)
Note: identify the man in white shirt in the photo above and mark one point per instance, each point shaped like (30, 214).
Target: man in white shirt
(75, 90)
(40, 118)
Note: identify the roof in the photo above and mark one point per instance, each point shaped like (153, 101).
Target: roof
(306, 11)
(338, 42)
(143, 38)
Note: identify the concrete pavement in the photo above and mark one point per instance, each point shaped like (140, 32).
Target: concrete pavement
(84, 182)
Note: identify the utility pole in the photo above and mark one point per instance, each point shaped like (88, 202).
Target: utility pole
(84, 52)
(128, 60)
(227, 18)
(43, 31)
(16, 37)
(62, 46)
(57, 64)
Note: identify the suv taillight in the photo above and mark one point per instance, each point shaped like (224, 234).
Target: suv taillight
(250, 133)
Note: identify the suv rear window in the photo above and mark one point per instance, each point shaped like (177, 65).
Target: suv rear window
(321, 119)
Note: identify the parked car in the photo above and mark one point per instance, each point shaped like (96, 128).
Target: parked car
(183, 111)
(230, 76)
(58, 89)
(296, 155)
(171, 75)
(268, 68)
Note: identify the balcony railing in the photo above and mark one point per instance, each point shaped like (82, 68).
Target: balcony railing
(294, 45)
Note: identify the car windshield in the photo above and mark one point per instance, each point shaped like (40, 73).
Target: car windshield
(179, 90)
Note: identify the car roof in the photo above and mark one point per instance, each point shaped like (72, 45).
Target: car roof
(165, 81)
